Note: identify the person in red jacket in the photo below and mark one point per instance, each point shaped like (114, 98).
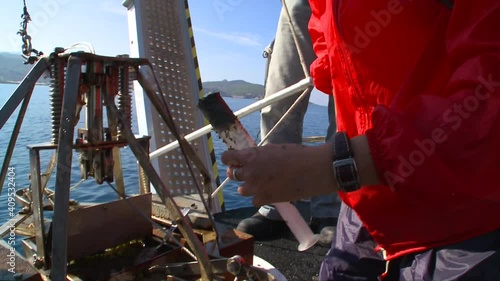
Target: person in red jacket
(417, 91)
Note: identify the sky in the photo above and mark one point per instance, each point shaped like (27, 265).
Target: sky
(230, 35)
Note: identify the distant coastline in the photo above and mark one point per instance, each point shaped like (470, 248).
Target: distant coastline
(13, 70)
(224, 94)
(207, 90)
(19, 82)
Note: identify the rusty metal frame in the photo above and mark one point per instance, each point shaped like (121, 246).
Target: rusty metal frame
(183, 223)
(52, 255)
(63, 171)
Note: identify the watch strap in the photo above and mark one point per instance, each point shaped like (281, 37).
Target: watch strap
(344, 166)
(341, 146)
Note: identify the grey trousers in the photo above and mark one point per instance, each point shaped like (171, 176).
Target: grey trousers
(352, 257)
(283, 70)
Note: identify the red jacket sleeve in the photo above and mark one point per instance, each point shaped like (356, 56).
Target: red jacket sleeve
(449, 142)
(320, 68)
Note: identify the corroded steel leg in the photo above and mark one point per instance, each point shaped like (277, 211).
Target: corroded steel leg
(183, 223)
(63, 172)
(37, 194)
(13, 138)
(22, 93)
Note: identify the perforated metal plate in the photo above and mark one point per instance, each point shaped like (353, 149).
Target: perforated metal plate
(161, 31)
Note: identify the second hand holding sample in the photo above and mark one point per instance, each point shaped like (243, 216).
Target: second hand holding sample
(234, 135)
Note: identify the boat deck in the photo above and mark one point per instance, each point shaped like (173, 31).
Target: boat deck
(282, 251)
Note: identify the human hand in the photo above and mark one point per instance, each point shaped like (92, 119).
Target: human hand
(282, 172)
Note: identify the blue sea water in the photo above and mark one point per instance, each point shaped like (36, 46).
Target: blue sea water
(36, 129)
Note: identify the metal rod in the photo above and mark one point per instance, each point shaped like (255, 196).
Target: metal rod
(183, 223)
(14, 222)
(49, 170)
(118, 171)
(13, 138)
(220, 186)
(26, 85)
(285, 115)
(112, 89)
(293, 89)
(37, 197)
(63, 172)
(144, 185)
(161, 106)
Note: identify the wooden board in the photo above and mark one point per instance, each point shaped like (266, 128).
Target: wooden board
(96, 228)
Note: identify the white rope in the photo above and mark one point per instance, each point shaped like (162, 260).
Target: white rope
(296, 102)
(304, 68)
(85, 45)
(296, 40)
(294, 105)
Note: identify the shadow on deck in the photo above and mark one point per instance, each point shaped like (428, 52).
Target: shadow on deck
(282, 251)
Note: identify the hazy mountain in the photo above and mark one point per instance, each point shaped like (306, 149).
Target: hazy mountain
(235, 88)
(13, 69)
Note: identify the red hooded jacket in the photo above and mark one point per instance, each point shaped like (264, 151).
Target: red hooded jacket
(422, 81)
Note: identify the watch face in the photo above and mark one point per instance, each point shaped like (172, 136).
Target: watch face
(346, 173)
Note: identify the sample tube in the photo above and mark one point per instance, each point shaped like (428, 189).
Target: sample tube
(234, 135)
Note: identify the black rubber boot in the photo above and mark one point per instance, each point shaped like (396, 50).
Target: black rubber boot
(262, 228)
